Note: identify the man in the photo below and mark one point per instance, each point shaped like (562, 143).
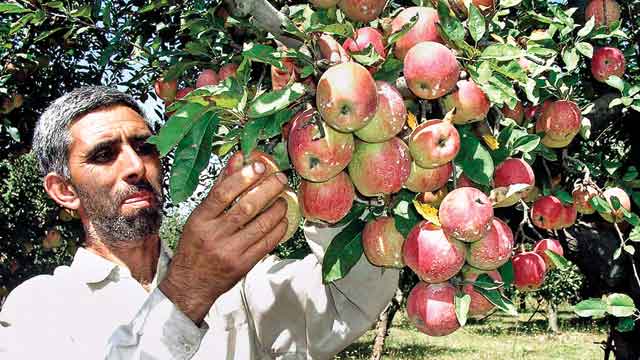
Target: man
(123, 297)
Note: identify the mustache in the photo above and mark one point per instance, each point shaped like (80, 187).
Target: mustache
(142, 185)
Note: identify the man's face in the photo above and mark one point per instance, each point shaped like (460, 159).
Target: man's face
(116, 174)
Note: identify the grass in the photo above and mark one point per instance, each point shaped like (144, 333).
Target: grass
(496, 338)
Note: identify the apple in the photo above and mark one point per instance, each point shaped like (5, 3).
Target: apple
(582, 194)
(494, 249)
(560, 121)
(425, 28)
(331, 50)
(382, 242)
(166, 90)
(607, 61)
(328, 201)
(431, 70)
(605, 12)
(363, 38)
(551, 245)
(207, 77)
(625, 202)
(529, 271)
(431, 308)
(470, 102)
(479, 304)
(281, 78)
(434, 143)
(362, 10)
(549, 213)
(517, 113)
(466, 214)
(427, 180)
(228, 70)
(389, 118)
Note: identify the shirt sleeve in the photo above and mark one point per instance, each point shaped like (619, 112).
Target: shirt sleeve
(293, 312)
(35, 310)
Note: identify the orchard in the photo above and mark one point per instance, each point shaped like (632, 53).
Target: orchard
(482, 146)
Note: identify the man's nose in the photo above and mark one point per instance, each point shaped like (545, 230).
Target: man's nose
(133, 165)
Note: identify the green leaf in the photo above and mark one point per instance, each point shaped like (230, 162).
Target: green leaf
(274, 101)
(356, 212)
(585, 49)
(46, 34)
(590, 308)
(625, 324)
(177, 127)
(449, 25)
(405, 29)
(273, 127)
(390, 70)
(281, 156)
(630, 249)
(367, 56)
(620, 305)
(502, 52)
(564, 196)
(476, 24)
(343, 253)
(191, 157)
(570, 58)
(496, 298)
(251, 134)
(526, 143)
(10, 8)
(405, 214)
(82, 12)
(587, 28)
(634, 235)
(262, 53)
(600, 205)
(106, 14)
(462, 302)
(342, 29)
(558, 260)
(509, 3)
(617, 253)
(473, 158)
(506, 272)
(20, 23)
(512, 70)
(615, 82)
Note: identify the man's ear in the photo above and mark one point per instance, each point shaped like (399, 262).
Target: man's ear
(61, 191)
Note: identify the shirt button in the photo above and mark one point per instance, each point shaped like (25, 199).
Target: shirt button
(187, 347)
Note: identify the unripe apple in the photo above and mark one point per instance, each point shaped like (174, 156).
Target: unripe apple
(625, 202)
(346, 97)
(425, 28)
(281, 78)
(166, 90)
(517, 113)
(362, 39)
(228, 70)
(551, 245)
(466, 214)
(549, 213)
(317, 152)
(479, 304)
(380, 168)
(582, 194)
(607, 61)
(207, 77)
(470, 102)
(382, 242)
(560, 122)
(434, 143)
(494, 249)
(324, 4)
(431, 308)
(331, 50)
(426, 180)
(327, 201)
(389, 118)
(431, 70)
(605, 12)
(362, 10)
(432, 255)
(529, 271)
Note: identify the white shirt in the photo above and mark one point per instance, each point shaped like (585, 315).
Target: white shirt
(94, 309)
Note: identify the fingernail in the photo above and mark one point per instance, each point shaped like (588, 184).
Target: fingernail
(283, 178)
(258, 167)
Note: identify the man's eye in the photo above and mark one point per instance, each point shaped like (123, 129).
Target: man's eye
(103, 156)
(147, 149)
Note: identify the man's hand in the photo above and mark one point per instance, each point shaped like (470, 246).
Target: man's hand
(219, 247)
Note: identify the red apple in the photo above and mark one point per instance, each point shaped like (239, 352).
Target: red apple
(166, 90)
(183, 92)
(607, 61)
(582, 194)
(346, 97)
(560, 122)
(549, 213)
(466, 214)
(363, 38)
(228, 70)
(517, 113)
(380, 168)
(432, 255)
(551, 245)
(625, 202)
(331, 50)
(434, 143)
(470, 102)
(382, 243)
(207, 77)
(389, 118)
(529, 271)
(464, 181)
(280, 78)
(431, 308)
(479, 304)
(425, 28)
(494, 249)
(431, 70)
(605, 12)
(427, 180)
(316, 157)
(362, 10)
(327, 201)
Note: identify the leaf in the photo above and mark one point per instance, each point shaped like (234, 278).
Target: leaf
(367, 56)
(274, 125)
(558, 260)
(46, 34)
(177, 127)
(474, 159)
(509, 3)
(615, 82)
(508, 196)
(262, 53)
(427, 211)
(526, 143)
(390, 70)
(497, 299)
(405, 29)
(630, 249)
(620, 305)
(191, 157)
(476, 24)
(634, 235)
(502, 52)
(405, 215)
(590, 308)
(356, 212)
(281, 156)
(342, 29)
(570, 58)
(617, 253)
(462, 302)
(273, 101)
(506, 272)
(11, 8)
(82, 12)
(343, 253)
(600, 205)
(587, 28)
(449, 25)
(585, 49)
(625, 325)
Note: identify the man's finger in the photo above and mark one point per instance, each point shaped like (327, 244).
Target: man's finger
(223, 193)
(261, 226)
(252, 203)
(267, 243)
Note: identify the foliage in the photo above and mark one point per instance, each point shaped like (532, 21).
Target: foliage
(562, 285)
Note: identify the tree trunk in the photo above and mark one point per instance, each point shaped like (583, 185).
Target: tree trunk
(552, 317)
(384, 324)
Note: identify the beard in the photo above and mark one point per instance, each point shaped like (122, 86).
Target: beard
(113, 226)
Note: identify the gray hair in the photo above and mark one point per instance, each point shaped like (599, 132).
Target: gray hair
(52, 138)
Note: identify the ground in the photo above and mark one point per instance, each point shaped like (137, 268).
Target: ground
(499, 337)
